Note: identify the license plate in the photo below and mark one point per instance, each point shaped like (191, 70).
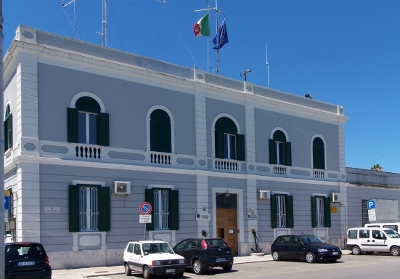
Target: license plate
(26, 263)
(170, 270)
(220, 260)
(335, 253)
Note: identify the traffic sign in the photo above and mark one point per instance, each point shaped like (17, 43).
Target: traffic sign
(145, 208)
(371, 204)
(145, 219)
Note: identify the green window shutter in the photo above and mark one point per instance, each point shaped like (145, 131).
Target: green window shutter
(219, 144)
(318, 157)
(327, 213)
(165, 136)
(5, 136)
(174, 209)
(289, 212)
(103, 129)
(104, 209)
(149, 197)
(10, 132)
(73, 199)
(240, 146)
(72, 117)
(314, 212)
(288, 153)
(272, 151)
(273, 212)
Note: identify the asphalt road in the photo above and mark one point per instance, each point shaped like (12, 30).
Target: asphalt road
(350, 266)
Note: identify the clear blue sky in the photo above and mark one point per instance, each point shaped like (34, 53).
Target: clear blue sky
(344, 52)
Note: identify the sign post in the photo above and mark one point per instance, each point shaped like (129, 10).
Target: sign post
(145, 209)
(371, 210)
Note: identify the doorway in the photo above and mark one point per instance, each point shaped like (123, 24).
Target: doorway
(226, 205)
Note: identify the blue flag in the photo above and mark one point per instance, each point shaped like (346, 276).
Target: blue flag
(222, 36)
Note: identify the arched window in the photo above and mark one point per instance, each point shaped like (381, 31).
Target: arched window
(280, 150)
(318, 154)
(160, 131)
(86, 124)
(8, 132)
(228, 143)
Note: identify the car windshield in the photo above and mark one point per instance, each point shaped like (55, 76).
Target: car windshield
(392, 233)
(311, 239)
(152, 248)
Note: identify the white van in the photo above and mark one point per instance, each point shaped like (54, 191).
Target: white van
(371, 240)
(393, 226)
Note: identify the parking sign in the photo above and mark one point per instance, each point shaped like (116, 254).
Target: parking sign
(370, 204)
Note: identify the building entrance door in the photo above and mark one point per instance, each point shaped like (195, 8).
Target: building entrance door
(227, 219)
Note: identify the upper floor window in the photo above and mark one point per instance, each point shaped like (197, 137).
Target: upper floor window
(318, 154)
(160, 131)
(8, 132)
(89, 208)
(282, 211)
(87, 124)
(321, 212)
(228, 143)
(280, 150)
(165, 213)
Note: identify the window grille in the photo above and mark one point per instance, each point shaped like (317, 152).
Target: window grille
(88, 209)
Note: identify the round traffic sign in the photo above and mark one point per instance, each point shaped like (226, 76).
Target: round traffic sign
(145, 208)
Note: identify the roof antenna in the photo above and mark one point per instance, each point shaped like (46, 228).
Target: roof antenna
(104, 23)
(266, 62)
(63, 6)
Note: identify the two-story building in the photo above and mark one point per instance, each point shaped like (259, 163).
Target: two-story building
(92, 132)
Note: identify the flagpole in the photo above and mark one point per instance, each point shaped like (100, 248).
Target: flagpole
(208, 12)
(216, 32)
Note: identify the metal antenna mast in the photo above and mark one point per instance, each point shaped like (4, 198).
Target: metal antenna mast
(208, 9)
(104, 23)
(63, 6)
(266, 61)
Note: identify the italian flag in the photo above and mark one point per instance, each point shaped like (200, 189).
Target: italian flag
(202, 27)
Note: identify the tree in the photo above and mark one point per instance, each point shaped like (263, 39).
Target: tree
(377, 167)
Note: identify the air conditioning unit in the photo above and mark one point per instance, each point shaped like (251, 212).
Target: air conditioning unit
(10, 225)
(265, 195)
(122, 188)
(335, 197)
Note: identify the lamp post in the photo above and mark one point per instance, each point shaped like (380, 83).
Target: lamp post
(1, 141)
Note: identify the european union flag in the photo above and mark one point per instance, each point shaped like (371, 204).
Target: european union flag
(222, 36)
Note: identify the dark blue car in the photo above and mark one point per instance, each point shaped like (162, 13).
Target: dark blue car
(304, 247)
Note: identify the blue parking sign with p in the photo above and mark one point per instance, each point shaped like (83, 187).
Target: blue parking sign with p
(6, 202)
(371, 204)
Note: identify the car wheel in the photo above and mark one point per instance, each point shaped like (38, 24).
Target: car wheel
(310, 257)
(197, 267)
(146, 273)
(394, 250)
(128, 271)
(355, 250)
(275, 256)
(227, 268)
(179, 275)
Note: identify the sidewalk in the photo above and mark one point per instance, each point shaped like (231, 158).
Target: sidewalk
(91, 272)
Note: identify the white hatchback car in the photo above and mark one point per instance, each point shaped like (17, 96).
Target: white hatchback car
(152, 257)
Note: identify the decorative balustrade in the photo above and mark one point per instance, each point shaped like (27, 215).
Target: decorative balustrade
(160, 158)
(229, 165)
(319, 173)
(280, 170)
(92, 152)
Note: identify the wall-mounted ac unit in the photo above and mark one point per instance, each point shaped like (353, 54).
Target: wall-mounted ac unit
(122, 188)
(335, 197)
(265, 194)
(10, 225)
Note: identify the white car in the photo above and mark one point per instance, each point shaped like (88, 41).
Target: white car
(152, 257)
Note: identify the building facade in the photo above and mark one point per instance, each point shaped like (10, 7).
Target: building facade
(93, 133)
